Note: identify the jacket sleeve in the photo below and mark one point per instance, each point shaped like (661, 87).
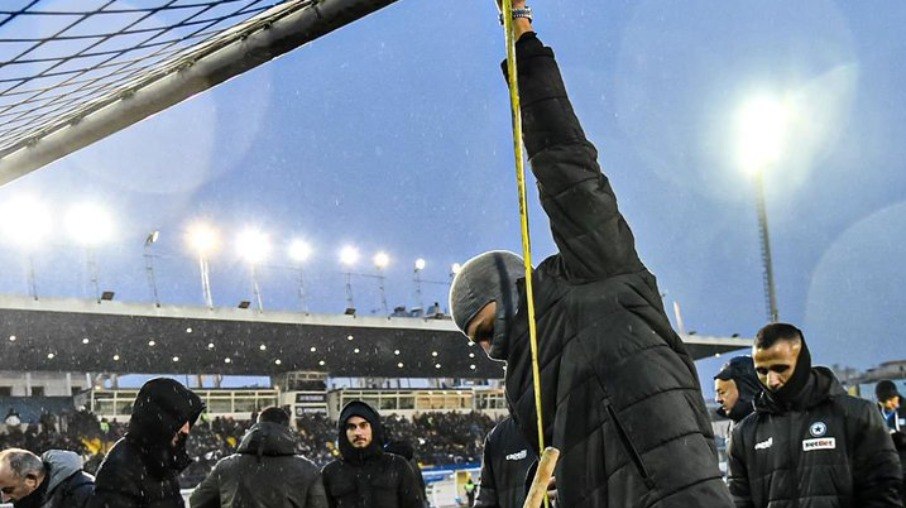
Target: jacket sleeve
(486, 497)
(317, 495)
(738, 471)
(876, 467)
(79, 491)
(115, 488)
(592, 236)
(408, 490)
(207, 493)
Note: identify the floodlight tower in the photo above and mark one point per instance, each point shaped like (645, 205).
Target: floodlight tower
(381, 260)
(203, 241)
(27, 226)
(299, 252)
(763, 126)
(417, 278)
(254, 247)
(90, 225)
(348, 257)
(150, 240)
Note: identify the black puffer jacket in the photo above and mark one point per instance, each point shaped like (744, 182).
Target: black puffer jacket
(620, 394)
(65, 484)
(265, 472)
(825, 450)
(142, 468)
(368, 477)
(504, 466)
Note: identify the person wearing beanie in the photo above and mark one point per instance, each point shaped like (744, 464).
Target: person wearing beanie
(265, 471)
(620, 395)
(142, 469)
(809, 443)
(364, 476)
(889, 402)
(735, 388)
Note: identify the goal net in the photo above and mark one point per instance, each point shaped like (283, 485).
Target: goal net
(75, 71)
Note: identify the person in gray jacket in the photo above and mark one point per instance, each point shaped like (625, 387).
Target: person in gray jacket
(265, 471)
(53, 480)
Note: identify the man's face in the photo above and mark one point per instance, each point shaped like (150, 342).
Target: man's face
(358, 432)
(775, 365)
(892, 404)
(181, 435)
(13, 487)
(481, 328)
(725, 393)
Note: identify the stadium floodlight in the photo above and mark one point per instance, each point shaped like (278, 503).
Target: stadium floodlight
(420, 264)
(299, 251)
(349, 255)
(417, 278)
(381, 260)
(455, 268)
(89, 224)
(203, 240)
(763, 125)
(253, 246)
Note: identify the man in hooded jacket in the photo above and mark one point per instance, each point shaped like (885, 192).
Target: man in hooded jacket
(365, 476)
(809, 443)
(53, 480)
(735, 387)
(265, 471)
(505, 463)
(620, 394)
(142, 469)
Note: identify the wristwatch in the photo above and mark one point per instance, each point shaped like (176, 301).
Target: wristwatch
(521, 12)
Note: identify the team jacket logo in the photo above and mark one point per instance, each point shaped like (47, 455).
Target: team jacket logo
(518, 455)
(817, 429)
(819, 443)
(764, 445)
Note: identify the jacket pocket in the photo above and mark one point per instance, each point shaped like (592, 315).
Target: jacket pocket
(634, 455)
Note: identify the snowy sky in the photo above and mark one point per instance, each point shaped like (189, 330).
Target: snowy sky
(393, 134)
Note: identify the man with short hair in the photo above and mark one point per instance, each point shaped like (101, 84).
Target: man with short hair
(265, 471)
(53, 480)
(142, 469)
(619, 393)
(735, 388)
(365, 476)
(809, 443)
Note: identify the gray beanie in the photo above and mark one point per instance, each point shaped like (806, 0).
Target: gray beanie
(488, 277)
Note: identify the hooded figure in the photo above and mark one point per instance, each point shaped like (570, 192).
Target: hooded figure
(142, 469)
(55, 480)
(620, 396)
(265, 471)
(745, 385)
(365, 476)
(809, 443)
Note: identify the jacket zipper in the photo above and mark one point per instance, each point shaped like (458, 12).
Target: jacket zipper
(630, 449)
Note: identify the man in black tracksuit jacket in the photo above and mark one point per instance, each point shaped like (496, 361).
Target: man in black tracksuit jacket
(365, 476)
(505, 464)
(265, 471)
(620, 394)
(142, 469)
(809, 444)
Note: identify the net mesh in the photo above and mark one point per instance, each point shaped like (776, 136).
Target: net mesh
(60, 60)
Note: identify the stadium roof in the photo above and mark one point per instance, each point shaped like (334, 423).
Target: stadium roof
(83, 335)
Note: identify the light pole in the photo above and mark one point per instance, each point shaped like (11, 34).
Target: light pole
(27, 224)
(299, 252)
(90, 225)
(417, 278)
(254, 247)
(381, 260)
(763, 125)
(348, 257)
(149, 265)
(203, 241)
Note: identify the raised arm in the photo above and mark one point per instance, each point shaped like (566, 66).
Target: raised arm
(593, 238)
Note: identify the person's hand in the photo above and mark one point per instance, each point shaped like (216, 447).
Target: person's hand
(552, 488)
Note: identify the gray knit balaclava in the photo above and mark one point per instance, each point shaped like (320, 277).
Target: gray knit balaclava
(488, 277)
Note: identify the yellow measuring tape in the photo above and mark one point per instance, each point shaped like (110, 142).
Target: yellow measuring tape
(508, 26)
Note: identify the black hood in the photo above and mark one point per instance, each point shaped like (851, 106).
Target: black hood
(741, 370)
(269, 440)
(820, 386)
(350, 453)
(161, 408)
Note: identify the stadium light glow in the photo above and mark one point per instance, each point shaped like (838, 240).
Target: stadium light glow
(26, 222)
(89, 224)
(349, 255)
(381, 260)
(455, 268)
(253, 246)
(420, 264)
(299, 251)
(116, 358)
(203, 239)
(763, 124)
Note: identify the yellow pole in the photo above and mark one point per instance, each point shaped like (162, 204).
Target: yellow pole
(506, 8)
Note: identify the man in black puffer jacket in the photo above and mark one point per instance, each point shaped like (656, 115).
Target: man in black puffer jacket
(620, 394)
(142, 468)
(505, 463)
(365, 476)
(809, 443)
(265, 471)
(736, 387)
